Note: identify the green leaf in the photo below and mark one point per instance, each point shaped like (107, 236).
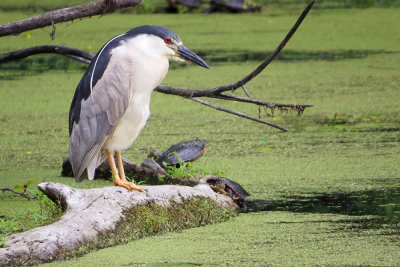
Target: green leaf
(31, 181)
(19, 187)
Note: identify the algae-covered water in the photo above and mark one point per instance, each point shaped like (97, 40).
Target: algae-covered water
(325, 193)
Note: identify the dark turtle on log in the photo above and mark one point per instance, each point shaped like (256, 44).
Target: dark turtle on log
(187, 151)
(229, 187)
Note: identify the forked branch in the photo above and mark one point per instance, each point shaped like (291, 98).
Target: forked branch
(218, 91)
(22, 194)
(263, 65)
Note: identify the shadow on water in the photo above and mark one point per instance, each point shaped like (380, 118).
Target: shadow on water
(382, 204)
(38, 64)
(42, 63)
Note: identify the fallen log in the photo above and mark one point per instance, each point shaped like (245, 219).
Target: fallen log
(101, 217)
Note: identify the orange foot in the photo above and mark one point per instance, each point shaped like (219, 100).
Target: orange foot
(128, 185)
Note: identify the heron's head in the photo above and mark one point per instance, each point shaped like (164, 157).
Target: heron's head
(168, 43)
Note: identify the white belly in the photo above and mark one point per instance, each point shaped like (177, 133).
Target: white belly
(129, 126)
(145, 70)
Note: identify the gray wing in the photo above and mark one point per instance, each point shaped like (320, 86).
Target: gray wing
(95, 111)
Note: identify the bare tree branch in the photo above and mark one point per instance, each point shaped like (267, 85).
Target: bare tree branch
(263, 65)
(211, 93)
(74, 53)
(243, 81)
(99, 7)
(240, 114)
(271, 105)
(29, 197)
(217, 92)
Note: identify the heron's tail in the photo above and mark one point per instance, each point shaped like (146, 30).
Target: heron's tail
(90, 162)
(96, 161)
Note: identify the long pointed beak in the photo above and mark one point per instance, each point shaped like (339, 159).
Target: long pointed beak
(187, 54)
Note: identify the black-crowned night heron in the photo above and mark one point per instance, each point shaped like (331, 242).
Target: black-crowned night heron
(111, 103)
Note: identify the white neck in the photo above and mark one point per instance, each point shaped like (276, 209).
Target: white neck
(144, 58)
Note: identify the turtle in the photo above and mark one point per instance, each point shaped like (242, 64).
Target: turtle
(186, 151)
(228, 187)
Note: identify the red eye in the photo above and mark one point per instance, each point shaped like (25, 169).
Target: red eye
(167, 40)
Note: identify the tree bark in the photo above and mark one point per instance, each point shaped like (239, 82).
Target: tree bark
(74, 53)
(99, 215)
(100, 7)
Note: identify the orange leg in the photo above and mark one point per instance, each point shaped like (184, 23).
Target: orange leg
(120, 166)
(120, 181)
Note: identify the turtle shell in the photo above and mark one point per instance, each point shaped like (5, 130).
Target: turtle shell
(229, 185)
(187, 151)
(235, 190)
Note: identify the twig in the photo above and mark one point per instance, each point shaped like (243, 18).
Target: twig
(80, 59)
(271, 105)
(99, 7)
(245, 90)
(29, 197)
(240, 114)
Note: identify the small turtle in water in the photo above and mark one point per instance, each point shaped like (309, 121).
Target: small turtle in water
(228, 187)
(182, 151)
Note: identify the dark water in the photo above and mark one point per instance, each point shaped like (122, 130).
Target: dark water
(42, 63)
(382, 206)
